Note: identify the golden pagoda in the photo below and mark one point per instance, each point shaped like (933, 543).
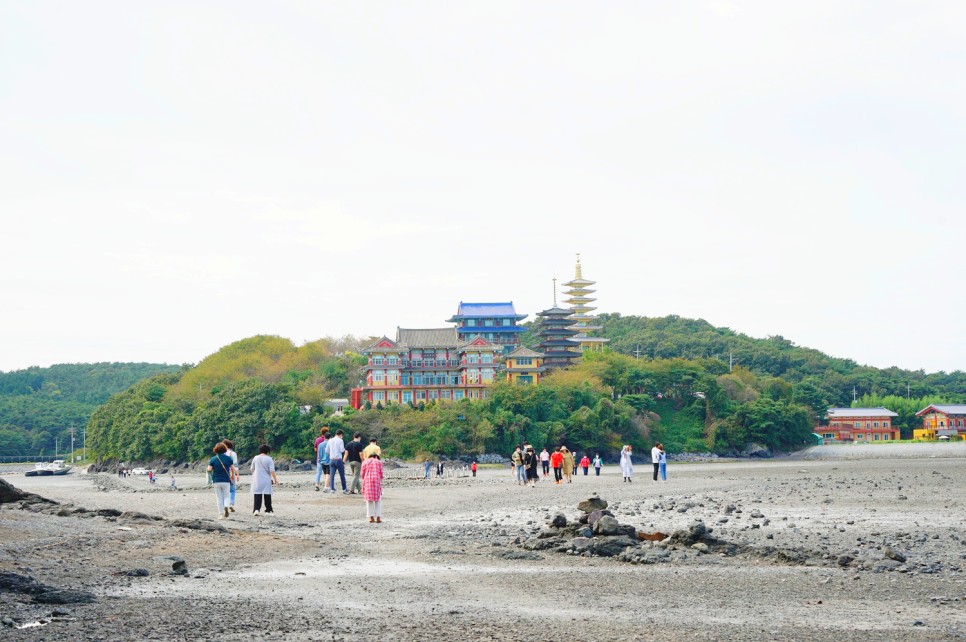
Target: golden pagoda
(579, 298)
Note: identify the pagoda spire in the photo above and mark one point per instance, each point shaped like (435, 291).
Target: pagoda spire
(579, 296)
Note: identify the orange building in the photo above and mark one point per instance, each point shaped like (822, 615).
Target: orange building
(942, 420)
(426, 365)
(859, 425)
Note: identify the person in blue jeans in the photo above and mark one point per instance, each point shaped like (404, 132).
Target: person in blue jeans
(322, 460)
(235, 476)
(662, 462)
(429, 468)
(335, 448)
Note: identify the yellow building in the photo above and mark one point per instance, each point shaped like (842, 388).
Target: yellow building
(524, 366)
(579, 292)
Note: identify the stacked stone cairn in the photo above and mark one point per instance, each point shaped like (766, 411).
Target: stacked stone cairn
(596, 532)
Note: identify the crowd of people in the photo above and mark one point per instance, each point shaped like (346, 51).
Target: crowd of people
(332, 454)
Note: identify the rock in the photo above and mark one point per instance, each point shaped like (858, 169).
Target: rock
(60, 612)
(558, 521)
(756, 450)
(65, 596)
(597, 514)
(581, 543)
(756, 514)
(108, 512)
(592, 504)
(199, 525)
(610, 546)
(520, 555)
(889, 553)
(607, 525)
(695, 532)
(134, 572)
(844, 560)
(10, 494)
(200, 573)
(135, 515)
(700, 547)
(540, 544)
(586, 531)
(180, 567)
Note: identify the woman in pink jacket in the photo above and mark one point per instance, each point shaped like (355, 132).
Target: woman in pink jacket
(371, 474)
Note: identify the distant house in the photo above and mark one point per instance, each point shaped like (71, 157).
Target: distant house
(942, 420)
(859, 425)
(336, 406)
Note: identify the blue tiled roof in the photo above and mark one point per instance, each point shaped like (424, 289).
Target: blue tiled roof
(480, 310)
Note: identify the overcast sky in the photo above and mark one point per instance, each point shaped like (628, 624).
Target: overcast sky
(177, 176)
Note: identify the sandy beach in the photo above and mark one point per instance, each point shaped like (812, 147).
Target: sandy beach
(836, 543)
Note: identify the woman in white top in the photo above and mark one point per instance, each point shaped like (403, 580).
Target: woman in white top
(627, 468)
(656, 459)
(263, 477)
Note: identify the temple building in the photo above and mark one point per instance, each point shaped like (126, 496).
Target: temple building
(555, 332)
(579, 292)
(524, 366)
(423, 365)
(494, 322)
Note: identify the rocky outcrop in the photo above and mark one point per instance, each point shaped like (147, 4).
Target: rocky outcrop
(10, 494)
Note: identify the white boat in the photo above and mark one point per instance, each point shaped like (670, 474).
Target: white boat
(44, 469)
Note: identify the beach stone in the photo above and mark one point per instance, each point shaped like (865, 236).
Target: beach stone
(610, 546)
(200, 573)
(134, 572)
(592, 504)
(700, 547)
(586, 531)
(607, 525)
(695, 532)
(199, 525)
(180, 567)
(65, 596)
(558, 521)
(597, 514)
(581, 543)
(889, 553)
(60, 612)
(844, 560)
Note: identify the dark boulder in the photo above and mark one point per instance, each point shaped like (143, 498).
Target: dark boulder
(610, 546)
(592, 504)
(10, 494)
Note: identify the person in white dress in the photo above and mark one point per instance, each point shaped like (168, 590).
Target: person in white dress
(627, 467)
(263, 478)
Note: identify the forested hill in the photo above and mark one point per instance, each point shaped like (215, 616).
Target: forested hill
(676, 337)
(39, 405)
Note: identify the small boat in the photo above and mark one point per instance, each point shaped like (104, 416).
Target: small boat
(44, 469)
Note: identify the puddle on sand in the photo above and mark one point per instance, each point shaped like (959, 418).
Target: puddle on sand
(32, 625)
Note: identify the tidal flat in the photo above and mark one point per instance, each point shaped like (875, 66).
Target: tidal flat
(835, 543)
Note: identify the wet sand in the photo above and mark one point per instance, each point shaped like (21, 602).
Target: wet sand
(447, 561)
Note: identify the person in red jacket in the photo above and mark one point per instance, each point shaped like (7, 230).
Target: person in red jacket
(585, 463)
(473, 468)
(556, 462)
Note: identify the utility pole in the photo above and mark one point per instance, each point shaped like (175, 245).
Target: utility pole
(854, 394)
(731, 361)
(72, 442)
(907, 390)
(637, 352)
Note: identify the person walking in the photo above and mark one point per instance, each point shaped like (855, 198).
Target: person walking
(428, 466)
(372, 449)
(585, 464)
(371, 472)
(569, 465)
(263, 478)
(322, 460)
(545, 461)
(598, 464)
(236, 476)
(627, 465)
(662, 462)
(336, 450)
(221, 470)
(656, 459)
(173, 485)
(473, 468)
(530, 462)
(353, 453)
(439, 466)
(519, 471)
(556, 462)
